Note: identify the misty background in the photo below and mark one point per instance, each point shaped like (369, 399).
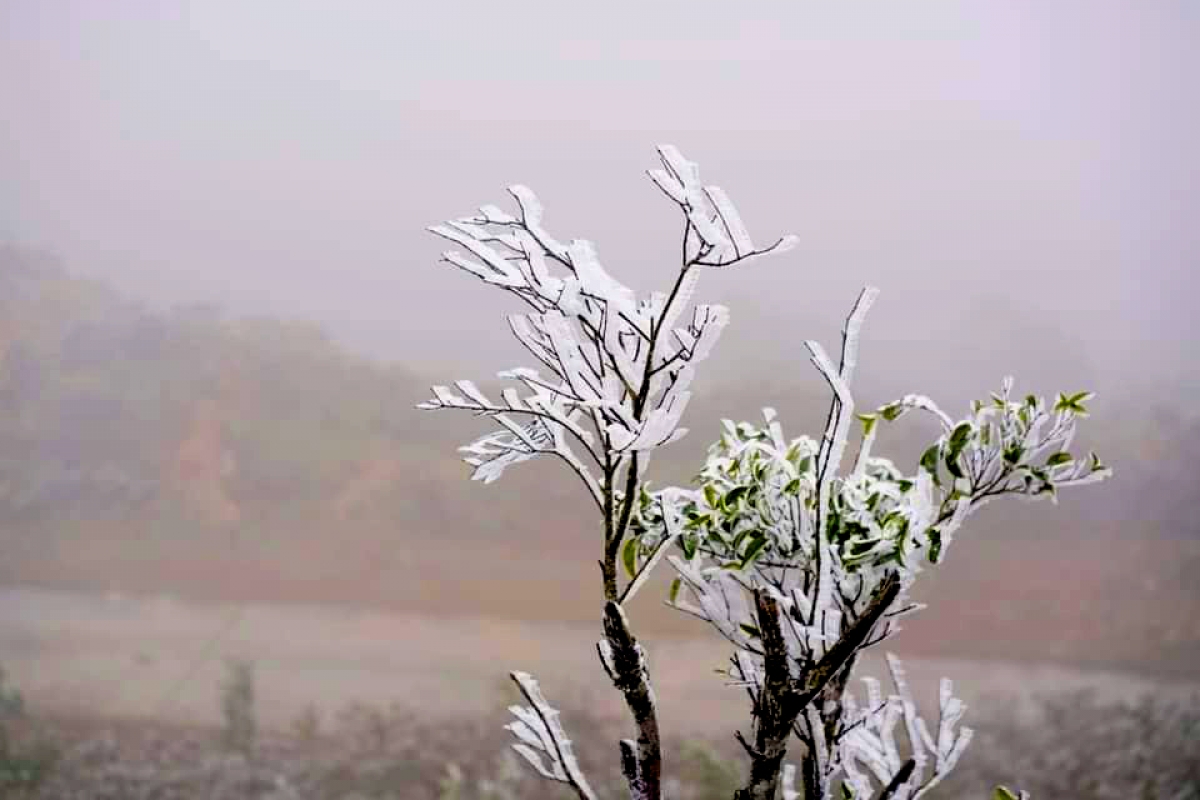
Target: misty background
(1023, 174)
(219, 305)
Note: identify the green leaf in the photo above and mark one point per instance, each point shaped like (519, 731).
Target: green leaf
(954, 447)
(737, 540)
(935, 545)
(750, 630)
(1004, 793)
(757, 543)
(792, 486)
(688, 545)
(733, 496)
(711, 496)
(629, 554)
(960, 436)
(929, 463)
(1013, 453)
(892, 411)
(673, 593)
(847, 793)
(1058, 459)
(868, 421)
(1073, 404)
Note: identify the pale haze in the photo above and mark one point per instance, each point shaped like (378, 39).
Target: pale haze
(199, 478)
(1018, 178)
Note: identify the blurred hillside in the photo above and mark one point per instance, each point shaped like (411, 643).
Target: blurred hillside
(253, 458)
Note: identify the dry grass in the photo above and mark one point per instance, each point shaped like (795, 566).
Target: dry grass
(1078, 748)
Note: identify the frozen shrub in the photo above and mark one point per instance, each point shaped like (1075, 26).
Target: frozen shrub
(799, 556)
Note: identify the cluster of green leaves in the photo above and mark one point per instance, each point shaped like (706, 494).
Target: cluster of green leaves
(1003, 448)
(1010, 428)
(757, 500)
(756, 497)
(752, 499)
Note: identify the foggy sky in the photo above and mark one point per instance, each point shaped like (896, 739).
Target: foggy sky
(1019, 178)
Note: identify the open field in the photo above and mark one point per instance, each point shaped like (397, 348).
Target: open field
(161, 659)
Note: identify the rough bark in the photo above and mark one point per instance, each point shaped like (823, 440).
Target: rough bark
(782, 697)
(625, 662)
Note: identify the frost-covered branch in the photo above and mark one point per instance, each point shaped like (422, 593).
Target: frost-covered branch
(539, 733)
(619, 366)
(782, 696)
(613, 383)
(720, 238)
(870, 754)
(624, 661)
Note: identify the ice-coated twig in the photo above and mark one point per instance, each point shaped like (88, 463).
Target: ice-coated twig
(872, 744)
(539, 733)
(722, 237)
(837, 429)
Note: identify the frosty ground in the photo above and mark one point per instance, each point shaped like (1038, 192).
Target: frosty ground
(156, 664)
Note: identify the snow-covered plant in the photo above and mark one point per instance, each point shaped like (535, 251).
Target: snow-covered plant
(798, 566)
(802, 568)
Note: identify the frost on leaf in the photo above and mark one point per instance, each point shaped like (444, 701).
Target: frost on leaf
(715, 230)
(816, 544)
(870, 755)
(541, 739)
(787, 517)
(617, 369)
